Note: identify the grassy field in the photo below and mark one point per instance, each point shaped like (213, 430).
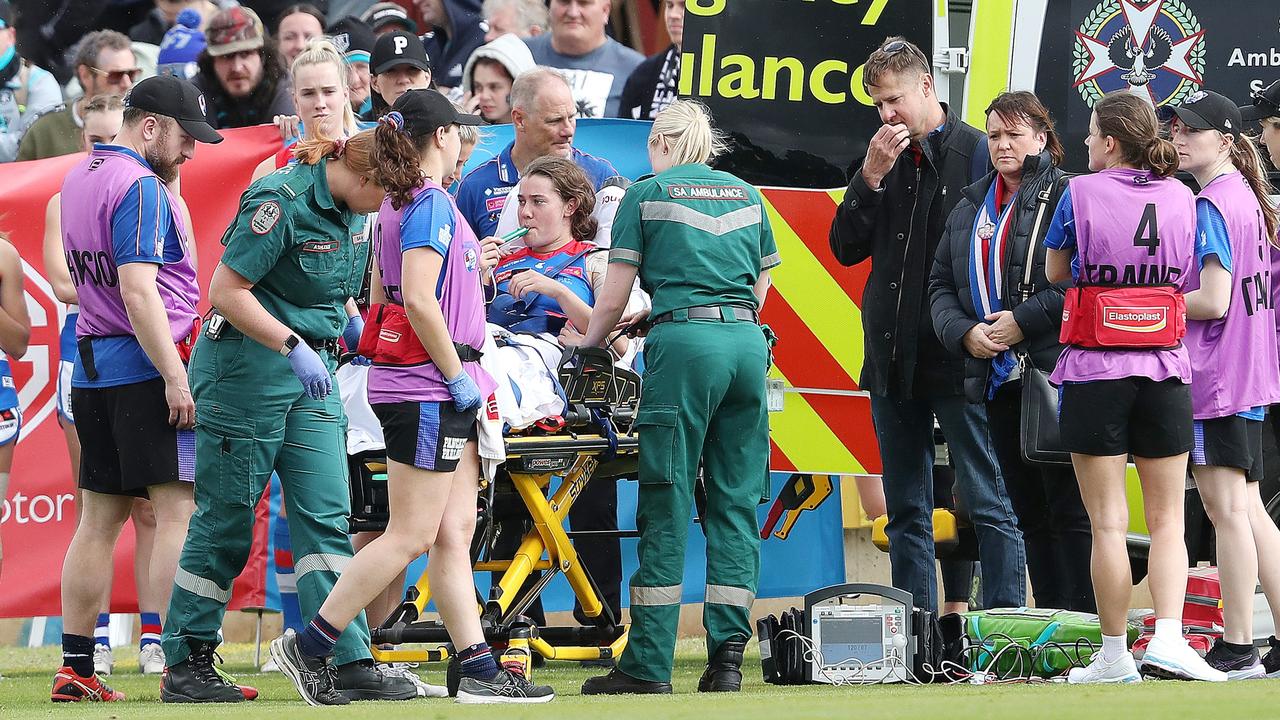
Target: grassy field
(24, 693)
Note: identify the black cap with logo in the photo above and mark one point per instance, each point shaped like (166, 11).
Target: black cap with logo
(398, 48)
(1266, 104)
(1207, 110)
(422, 111)
(176, 98)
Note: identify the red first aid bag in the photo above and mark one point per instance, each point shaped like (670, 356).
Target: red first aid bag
(1138, 317)
(389, 339)
(188, 343)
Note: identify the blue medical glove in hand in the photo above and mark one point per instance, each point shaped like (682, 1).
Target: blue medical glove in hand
(311, 370)
(465, 392)
(351, 338)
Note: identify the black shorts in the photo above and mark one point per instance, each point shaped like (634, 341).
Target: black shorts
(426, 435)
(1233, 442)
(1131, 415)
(126, 441)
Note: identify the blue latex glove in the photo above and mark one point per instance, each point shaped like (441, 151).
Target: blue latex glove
(351, 338)
(311, 370)
(465, 392)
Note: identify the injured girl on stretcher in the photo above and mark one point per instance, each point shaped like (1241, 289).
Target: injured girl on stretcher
(543, 292)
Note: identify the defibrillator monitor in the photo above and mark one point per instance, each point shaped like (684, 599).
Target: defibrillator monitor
(862, 634)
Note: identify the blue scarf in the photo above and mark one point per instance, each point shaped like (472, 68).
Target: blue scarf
(988, 242)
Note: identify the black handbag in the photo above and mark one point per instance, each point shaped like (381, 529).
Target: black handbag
(1041, 439)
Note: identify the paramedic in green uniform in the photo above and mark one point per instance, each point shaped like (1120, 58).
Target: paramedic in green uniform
(701, 243)
(262, 378)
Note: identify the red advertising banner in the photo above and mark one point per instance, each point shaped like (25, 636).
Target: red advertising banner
(38, 516)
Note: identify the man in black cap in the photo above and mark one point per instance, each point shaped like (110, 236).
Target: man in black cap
(1265, 109)
(399, 64)
(356, 40)
(138, 294)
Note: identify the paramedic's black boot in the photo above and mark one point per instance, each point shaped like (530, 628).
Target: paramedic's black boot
(195, 680)
(361, 680)
(620, 683)
(724, 671)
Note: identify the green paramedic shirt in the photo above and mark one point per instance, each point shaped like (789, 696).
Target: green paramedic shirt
(304, 256)
(699, 237)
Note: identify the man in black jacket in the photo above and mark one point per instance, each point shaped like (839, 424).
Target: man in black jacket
(894, 212)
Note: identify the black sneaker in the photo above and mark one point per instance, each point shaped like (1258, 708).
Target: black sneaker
(196, 680)
(312, 676)
(360, 680)
(620, 683)
(1271, 661)
(505, 687)
(724, 670)
(1237, 666)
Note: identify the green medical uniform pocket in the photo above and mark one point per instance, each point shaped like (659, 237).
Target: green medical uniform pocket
(225, 448)
(320, 255)
(659, 443)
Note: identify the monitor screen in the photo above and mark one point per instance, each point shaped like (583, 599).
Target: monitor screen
(851, 639)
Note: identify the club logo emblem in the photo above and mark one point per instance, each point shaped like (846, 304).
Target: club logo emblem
(1152, 48)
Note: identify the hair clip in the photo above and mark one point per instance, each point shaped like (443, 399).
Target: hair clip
(339, 147)
(394, 119)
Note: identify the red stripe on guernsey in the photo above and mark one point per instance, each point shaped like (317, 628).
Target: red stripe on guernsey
(799, 353)
(801, 212)
(284, 559)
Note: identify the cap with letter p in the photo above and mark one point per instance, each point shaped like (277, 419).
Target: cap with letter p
(398, 48)
(177, 98)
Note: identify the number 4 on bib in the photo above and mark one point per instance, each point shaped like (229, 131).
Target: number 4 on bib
(1148, 235)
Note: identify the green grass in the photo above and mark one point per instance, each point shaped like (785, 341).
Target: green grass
(24, 693)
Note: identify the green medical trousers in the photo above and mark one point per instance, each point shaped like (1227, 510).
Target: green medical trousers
(703, 397)
(252, 418)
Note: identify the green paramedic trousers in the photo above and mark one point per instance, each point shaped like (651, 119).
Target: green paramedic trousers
(703, 397)
(252, 418)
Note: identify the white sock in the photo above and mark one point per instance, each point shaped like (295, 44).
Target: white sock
(1169, 630)
(1114, 647)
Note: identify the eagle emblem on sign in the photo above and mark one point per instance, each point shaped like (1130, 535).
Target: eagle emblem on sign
(1152, 48)
(265, 217)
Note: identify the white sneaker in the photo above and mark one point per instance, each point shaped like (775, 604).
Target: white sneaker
(1122, 670)
(405, 670)
(270, 666)
(1177, 661)
(103, 659)
(151, 659)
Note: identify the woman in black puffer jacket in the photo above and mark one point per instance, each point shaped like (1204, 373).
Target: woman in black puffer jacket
(979, 313)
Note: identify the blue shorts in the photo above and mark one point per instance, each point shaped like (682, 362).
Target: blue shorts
(10, 407)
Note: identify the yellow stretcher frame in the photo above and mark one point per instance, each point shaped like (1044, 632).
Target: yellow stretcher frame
(546, 547)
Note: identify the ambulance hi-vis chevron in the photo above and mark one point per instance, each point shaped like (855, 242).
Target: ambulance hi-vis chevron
(784, 80)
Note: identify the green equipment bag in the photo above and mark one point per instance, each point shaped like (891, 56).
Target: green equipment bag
(1049, 642)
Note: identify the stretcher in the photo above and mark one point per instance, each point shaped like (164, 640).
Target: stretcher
(547, 467)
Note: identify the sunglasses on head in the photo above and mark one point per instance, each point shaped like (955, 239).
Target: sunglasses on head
(897, 46)
(116, 77)
(1261, 101)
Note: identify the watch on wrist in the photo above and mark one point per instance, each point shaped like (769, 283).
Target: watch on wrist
(290, 343)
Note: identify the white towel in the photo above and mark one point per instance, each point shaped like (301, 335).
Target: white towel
(364, 432)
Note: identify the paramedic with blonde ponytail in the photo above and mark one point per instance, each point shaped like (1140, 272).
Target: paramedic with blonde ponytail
(262, 378)
(1126, 236)
(701, 244)
(1235, 373)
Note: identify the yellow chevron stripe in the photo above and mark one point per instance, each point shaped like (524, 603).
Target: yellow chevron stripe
(806, 440)
(816, 298)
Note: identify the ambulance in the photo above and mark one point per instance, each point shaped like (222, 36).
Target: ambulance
(783, 78)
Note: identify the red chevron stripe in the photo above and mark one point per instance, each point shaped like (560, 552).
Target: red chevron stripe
(809, 214)
(778, 460)
(799, 354)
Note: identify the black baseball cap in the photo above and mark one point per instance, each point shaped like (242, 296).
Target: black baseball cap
(177, 98)
(1266, 103)
(1207, 110)
(425, 110)
(351, 36)
(398, 48)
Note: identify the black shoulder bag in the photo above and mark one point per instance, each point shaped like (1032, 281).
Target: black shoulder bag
(1041, 440)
